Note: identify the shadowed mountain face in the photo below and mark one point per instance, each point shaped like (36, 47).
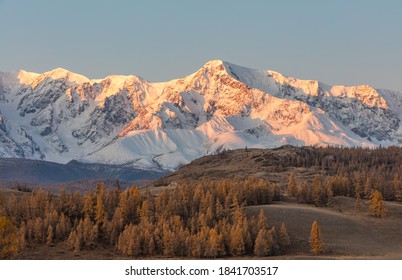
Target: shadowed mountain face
(60, 116)
(44, 172)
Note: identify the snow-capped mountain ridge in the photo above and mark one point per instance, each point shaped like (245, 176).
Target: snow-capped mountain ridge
(61, 116)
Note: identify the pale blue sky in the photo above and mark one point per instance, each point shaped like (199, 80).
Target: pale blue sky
(336, 42)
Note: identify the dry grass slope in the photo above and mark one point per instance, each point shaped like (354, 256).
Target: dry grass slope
(348, 233)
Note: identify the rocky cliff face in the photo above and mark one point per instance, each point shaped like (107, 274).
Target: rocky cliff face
(61, 116)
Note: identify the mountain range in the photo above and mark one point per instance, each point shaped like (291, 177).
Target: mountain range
(60, 116)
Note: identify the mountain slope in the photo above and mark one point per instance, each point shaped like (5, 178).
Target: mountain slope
(43, 172)
(125, 120)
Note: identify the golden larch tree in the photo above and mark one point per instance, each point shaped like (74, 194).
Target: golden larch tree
(377, 204)
(262, 220)
(236, 241)
(262, 246)
(316, 243)
(50, 236)
(9, 242)
(284, 239)
(292, 185)
(396, 183)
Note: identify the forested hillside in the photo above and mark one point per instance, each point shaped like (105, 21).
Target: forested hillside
(207, 215)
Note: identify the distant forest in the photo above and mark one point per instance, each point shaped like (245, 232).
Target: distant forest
(195, 219)
(351, 172)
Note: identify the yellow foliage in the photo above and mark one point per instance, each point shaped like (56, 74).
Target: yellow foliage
(377, 204)
(316, 243)
(8, 238)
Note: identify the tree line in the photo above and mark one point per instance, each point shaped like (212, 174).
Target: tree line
(203, 219)
(199, 219)
(347, 171)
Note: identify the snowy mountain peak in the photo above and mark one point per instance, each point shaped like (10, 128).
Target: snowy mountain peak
(34, 79)
(61, 116)
(213, 64)
(210, 68)
(25, 78)
(60, 73)
(370, 96)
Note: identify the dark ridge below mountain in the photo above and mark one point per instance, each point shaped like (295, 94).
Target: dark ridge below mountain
(37, 172)
(242, 163)
(276, 164)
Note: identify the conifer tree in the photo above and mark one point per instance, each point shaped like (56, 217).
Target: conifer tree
(168, 242)
(262, 220)
(292, 185)
(22, 236)
(39, 230)
(151, 246)
(219, 211)
(368, 187)
(89, 231)
(89, 209)
(100, 212)
(276, 192)
(358, 201)
(274, 241)
(214, 244)
(316, 243)
(9, 242)
(199, 243)
(304, 193)
(63, 227)
(75, 239)
(318, 192)
(262, 246)
(237, 247)
(377, 204)
(397, 188)
(284, 239)
(50, 236)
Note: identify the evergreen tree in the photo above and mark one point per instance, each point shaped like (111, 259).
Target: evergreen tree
(22, 236)
(248, 243)
(214, 244)
(377, 204)
(292, 185)
(397, 188)
(168, 242)
(39, 230)
(236, 241)
(274, 241)
(89, 205)
(9, 242)
(304, 193)
(368, 187)
(199, 243)
(284, 239)
(63, 227)
(262, 220)
(358, 202)
(50, 236)
(262, 246)
(89, 231)
(318, 192)
(316, 243)
(100, 212)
